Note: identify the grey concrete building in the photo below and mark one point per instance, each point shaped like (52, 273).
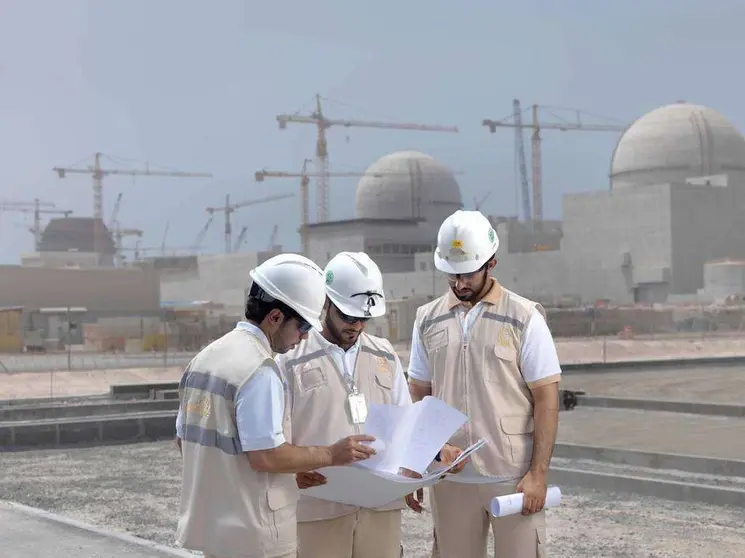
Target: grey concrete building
(675, 201)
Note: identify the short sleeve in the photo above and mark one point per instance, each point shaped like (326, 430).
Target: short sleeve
(539, 362)
(418, 363)
(259, 410)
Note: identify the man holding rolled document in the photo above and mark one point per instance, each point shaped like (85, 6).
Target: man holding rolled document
(487, 352)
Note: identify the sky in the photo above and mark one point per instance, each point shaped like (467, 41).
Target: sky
(196, 86)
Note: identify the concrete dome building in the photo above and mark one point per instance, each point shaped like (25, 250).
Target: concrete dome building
(75, 234)
(677, 142)
(401, 202)
(407, 185)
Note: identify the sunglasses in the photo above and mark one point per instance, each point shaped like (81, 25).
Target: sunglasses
(453, 277)
(349, 319)
(303, 326)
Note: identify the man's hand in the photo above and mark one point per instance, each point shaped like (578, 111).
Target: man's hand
(448, 454)
(415, 499)
(350, 450)
(309, 479)
(533, 487)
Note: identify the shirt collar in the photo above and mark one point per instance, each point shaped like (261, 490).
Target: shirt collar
(491, 297)
(255, 331)
(329, 346)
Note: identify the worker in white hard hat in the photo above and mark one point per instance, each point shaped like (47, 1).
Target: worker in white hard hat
(484, 349)
(332, 377)
(239, 493)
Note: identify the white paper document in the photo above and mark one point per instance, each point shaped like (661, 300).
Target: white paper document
(368, 488)
(411, 436)
(405, 437)
(512, 504)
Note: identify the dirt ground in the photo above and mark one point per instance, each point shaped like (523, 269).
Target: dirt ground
(135, 488)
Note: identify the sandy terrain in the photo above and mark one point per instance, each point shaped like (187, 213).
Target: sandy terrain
(135, 488)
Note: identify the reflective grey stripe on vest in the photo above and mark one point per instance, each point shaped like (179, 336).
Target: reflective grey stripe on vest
(305, 358)
(377, 353)
(205, 436)
(504, 319)
(432, 321)
(209, 383)
(212, 439)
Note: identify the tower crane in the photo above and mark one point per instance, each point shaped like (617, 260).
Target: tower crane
(240, 239)
(322, 162)
(119, 232)
(536, 126)
(98, 173)
(35, 207)
(273, 238)
(229, 208)
(304, 177)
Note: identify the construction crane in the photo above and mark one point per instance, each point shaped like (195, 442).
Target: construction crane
(322, 162)
(240, 239)
(273, 238)
(35, 207)
(200, 235)
(98, 173)
(517, 115)
(229, 208)
(119, 232)
(536, 126)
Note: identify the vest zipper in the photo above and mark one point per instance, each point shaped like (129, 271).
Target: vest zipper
(464, 360)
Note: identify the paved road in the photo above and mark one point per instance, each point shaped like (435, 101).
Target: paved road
(658, 431)
(25, 533)
(714, 384)
(90, 361)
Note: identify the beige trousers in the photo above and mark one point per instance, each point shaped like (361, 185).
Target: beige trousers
(363, 534)
(462, 522)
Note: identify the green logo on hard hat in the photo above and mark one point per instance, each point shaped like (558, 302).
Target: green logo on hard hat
(329, 277)
(491, 235)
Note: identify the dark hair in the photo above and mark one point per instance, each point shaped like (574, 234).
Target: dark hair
(259, 303)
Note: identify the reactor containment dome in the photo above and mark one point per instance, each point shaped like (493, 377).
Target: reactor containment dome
(408, 185)
(677, 142)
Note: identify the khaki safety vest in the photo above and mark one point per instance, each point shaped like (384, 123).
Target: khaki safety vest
(481, 376)
(227, 508)
(318, 394)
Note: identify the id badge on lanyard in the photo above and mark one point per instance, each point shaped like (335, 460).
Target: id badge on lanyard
(357, 407)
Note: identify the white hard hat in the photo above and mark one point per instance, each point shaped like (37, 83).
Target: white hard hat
(466, 241)
(355, 285)
(296, 281)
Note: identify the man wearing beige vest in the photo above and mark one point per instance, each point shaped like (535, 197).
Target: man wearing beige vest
(332, 377)
(489, 353)
(239, 494)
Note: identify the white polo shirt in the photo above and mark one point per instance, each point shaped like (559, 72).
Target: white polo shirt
(538, 360)
(259, 407)
(346, 360)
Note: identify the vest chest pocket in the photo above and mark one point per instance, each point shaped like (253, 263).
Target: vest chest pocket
(436, 340)
(310, 378)
(500, 361)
